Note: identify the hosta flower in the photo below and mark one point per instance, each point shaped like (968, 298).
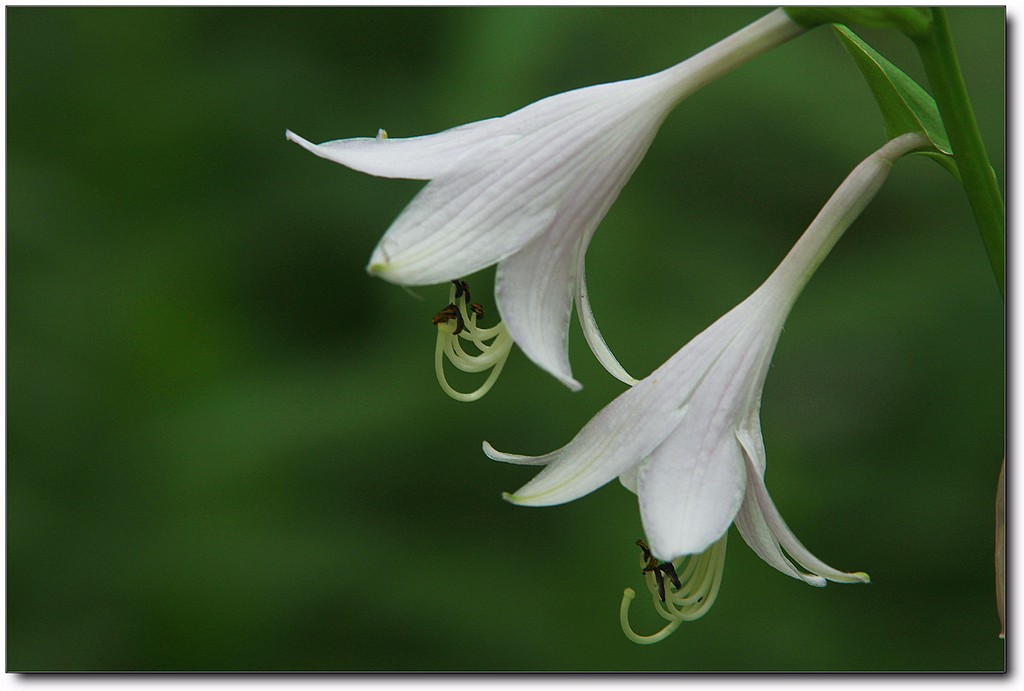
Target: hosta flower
(687, 439)
(526, 192)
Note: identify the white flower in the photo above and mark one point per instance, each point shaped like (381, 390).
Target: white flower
(687, 439)
(527, 191)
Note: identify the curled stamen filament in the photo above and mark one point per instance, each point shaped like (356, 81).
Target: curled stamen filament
(493, 343)
(700, 579)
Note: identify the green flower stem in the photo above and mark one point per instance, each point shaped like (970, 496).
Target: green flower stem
(979, 180)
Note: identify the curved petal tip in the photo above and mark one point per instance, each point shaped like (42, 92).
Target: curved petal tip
(304, 143)
(495, 455)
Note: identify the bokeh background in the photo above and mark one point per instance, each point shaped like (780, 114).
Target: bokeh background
(226, 447)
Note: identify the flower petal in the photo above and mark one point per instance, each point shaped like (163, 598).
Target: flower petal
(630, 478)
(614, 440)
(691, 487)
(533, 292)
(593, 334)
(535, 287)
(474, 216)
(413, 158)
(762, 514)
(633, 425)
(753, 527)
(554, 166)
(515, 458)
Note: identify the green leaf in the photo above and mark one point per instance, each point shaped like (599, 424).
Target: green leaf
(905, 106)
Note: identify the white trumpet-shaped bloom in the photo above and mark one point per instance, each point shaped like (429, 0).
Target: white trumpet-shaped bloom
(526, 192)
(687, 438)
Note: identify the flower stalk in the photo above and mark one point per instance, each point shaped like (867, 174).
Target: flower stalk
(938, 54)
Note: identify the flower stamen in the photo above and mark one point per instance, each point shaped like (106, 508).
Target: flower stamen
(461, 288)
(696, 579)
(493, 344)
(659, 570)
(447, 314)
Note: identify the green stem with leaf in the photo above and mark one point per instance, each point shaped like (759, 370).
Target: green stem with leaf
(929, 30)
(938, 54)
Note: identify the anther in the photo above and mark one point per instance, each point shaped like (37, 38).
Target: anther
(477, 309)
(669, 570)
(660, 570)
(461, 288)
(645, 550)
(447, 314)
(661, 584)
(696, 588)
(444, 315)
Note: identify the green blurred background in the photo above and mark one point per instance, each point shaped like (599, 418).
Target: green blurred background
(226, 447)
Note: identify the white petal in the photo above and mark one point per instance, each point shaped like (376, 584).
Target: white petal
(555, 166)
(515, 458)
(782, 536)
(429, 156)
(489, 207)
(413, 158)
(753, 527)
(629, 478)
(533, 292)
(691, 487)
(534, 288)
(614, 440)
(465, 221)
(758, 536)
(629, 428)
(593, 334)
